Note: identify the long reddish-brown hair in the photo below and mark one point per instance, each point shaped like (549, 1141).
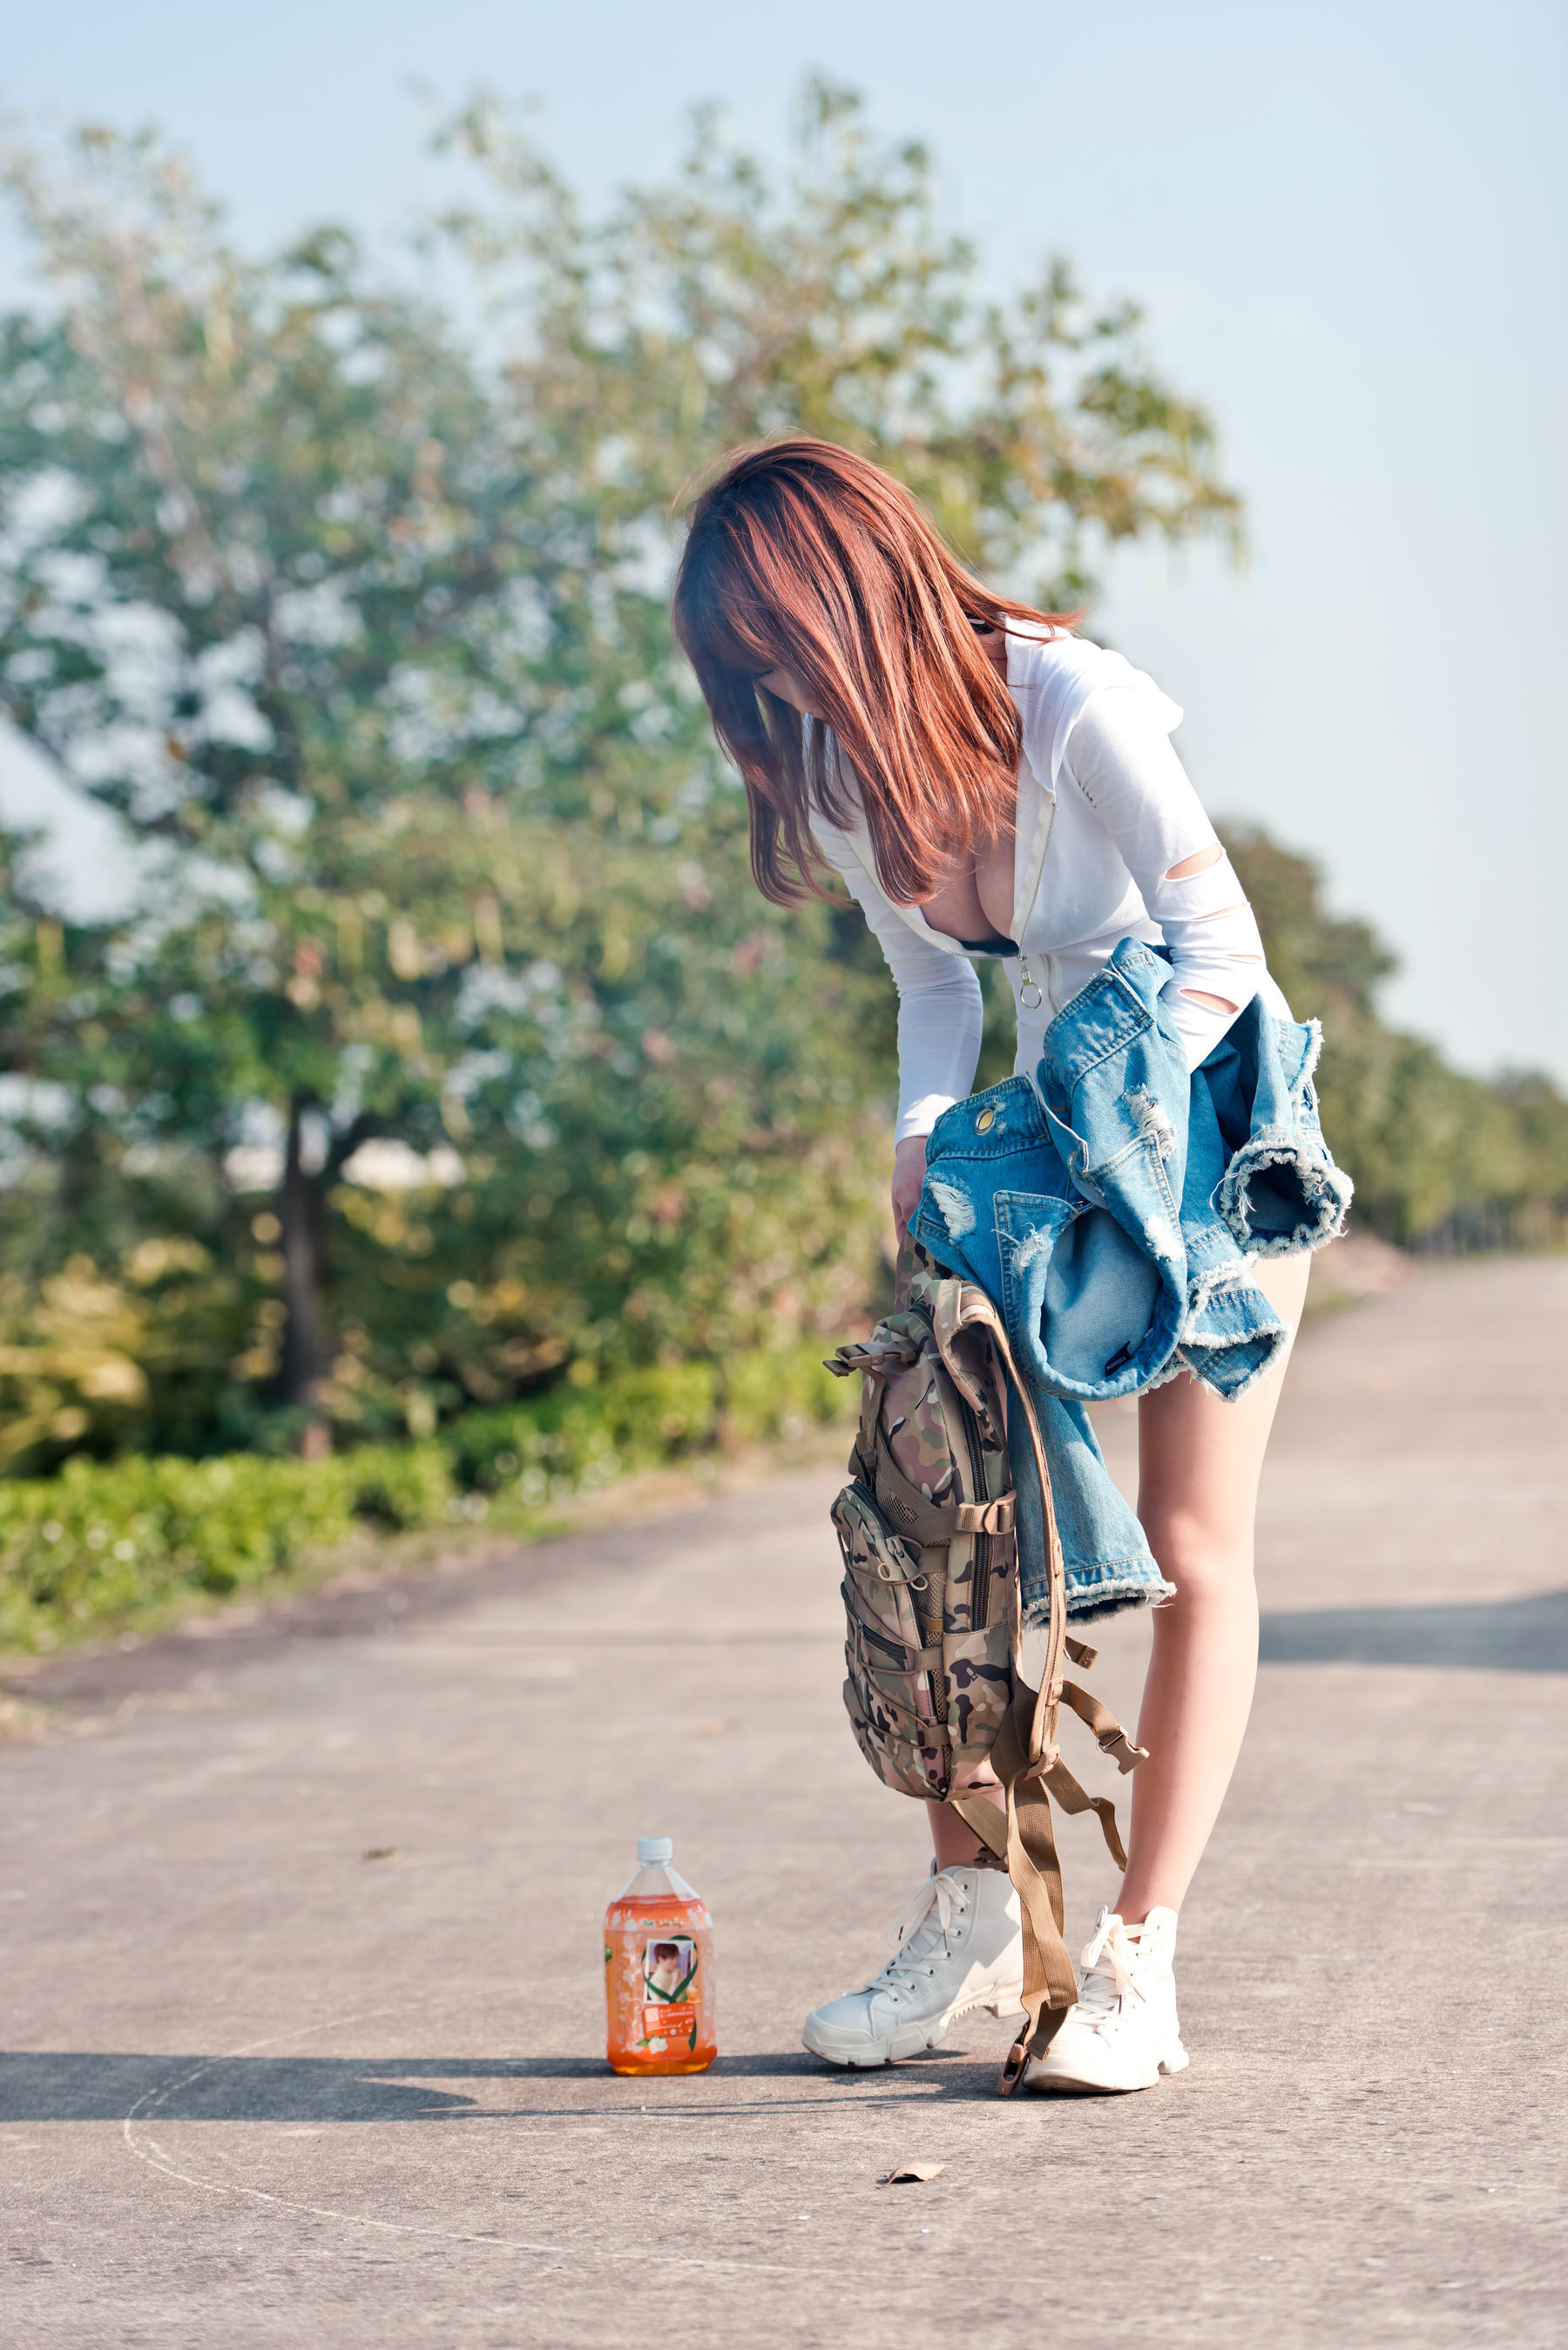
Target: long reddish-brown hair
(801, 555)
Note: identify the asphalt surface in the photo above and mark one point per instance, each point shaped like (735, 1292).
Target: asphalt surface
(261, 2088)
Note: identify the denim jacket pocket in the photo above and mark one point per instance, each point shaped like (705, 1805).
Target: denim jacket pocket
(1103, 1020)
(1089, 1312)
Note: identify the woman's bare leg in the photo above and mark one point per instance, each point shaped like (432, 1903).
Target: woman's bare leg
(1199, 1461)
(955, 1844)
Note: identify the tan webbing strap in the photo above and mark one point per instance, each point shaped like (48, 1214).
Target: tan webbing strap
(987, 1819)
(1024, 1757)
(1073, 1798)
(1107, 1731)
(959, 1305)
(1024, 1754)
(993, 1517)
(1050, 1985)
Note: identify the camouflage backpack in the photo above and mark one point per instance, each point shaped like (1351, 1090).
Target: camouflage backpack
(928, 1528)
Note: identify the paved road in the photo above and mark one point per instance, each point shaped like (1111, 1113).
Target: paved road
(265, 2090)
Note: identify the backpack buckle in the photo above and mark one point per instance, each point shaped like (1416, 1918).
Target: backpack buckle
(1012, 2071)
(987, 1517)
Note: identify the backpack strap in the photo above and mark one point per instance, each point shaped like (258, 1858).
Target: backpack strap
(987, 1819)
(1107, 1731)
(1025, 1756)
(957, 1305)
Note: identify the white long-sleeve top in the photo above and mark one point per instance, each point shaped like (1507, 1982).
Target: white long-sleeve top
(1104, 810)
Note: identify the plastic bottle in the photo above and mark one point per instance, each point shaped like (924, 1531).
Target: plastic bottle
(659, 1971)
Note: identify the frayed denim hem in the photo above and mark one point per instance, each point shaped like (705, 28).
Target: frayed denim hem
(1244, 1388)
(1109, 1591)
(1181, 1361)
(1324, 1188)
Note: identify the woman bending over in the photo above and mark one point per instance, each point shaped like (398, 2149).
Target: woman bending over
(874, 697)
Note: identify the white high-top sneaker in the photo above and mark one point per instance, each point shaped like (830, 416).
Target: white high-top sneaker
(957, 1946)
(1122, 2033)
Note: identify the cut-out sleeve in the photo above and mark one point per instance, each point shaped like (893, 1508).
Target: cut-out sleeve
(941, 1009)
(1119, 758)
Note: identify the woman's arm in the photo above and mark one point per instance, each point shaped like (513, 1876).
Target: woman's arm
(940, 1010)
(940, 1016)
(1119, 758)
(909, 1179)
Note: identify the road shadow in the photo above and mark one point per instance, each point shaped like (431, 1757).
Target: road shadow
(1514, 1636)
(78, 2085)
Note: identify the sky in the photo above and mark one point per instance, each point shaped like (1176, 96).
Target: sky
(1346, 221)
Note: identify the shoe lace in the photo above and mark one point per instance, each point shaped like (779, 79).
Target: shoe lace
(1108, 1972)
(913, 1935)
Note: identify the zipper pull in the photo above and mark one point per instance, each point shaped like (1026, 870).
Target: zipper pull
(1029, 993)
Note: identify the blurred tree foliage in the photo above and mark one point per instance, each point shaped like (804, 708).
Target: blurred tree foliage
(447, 1047)
(1441, 1159)
(359, 627)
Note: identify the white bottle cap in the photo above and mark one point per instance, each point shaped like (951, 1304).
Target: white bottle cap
(652, 1850)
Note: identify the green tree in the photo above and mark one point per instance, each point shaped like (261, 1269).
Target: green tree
(251, 511)
(359, 626)
(733, 305)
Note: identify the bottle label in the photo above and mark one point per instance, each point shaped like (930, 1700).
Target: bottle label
(660, 2025)
(669, 1992)
(658, 1984)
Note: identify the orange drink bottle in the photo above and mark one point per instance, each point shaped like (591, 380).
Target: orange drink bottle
(659, 1971)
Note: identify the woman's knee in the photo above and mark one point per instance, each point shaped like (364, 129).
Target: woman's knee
(1204, 1560)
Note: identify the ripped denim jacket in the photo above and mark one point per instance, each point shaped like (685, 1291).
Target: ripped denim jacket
(1110, 1208)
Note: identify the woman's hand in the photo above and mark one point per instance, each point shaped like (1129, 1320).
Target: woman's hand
(909, 1175)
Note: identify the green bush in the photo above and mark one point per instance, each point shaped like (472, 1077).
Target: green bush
(106, 1544)
(772, 1395)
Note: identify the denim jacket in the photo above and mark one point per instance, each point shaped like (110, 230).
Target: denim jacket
(1109, 1209)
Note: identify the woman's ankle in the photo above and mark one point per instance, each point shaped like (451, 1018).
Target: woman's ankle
(1132, 1908)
